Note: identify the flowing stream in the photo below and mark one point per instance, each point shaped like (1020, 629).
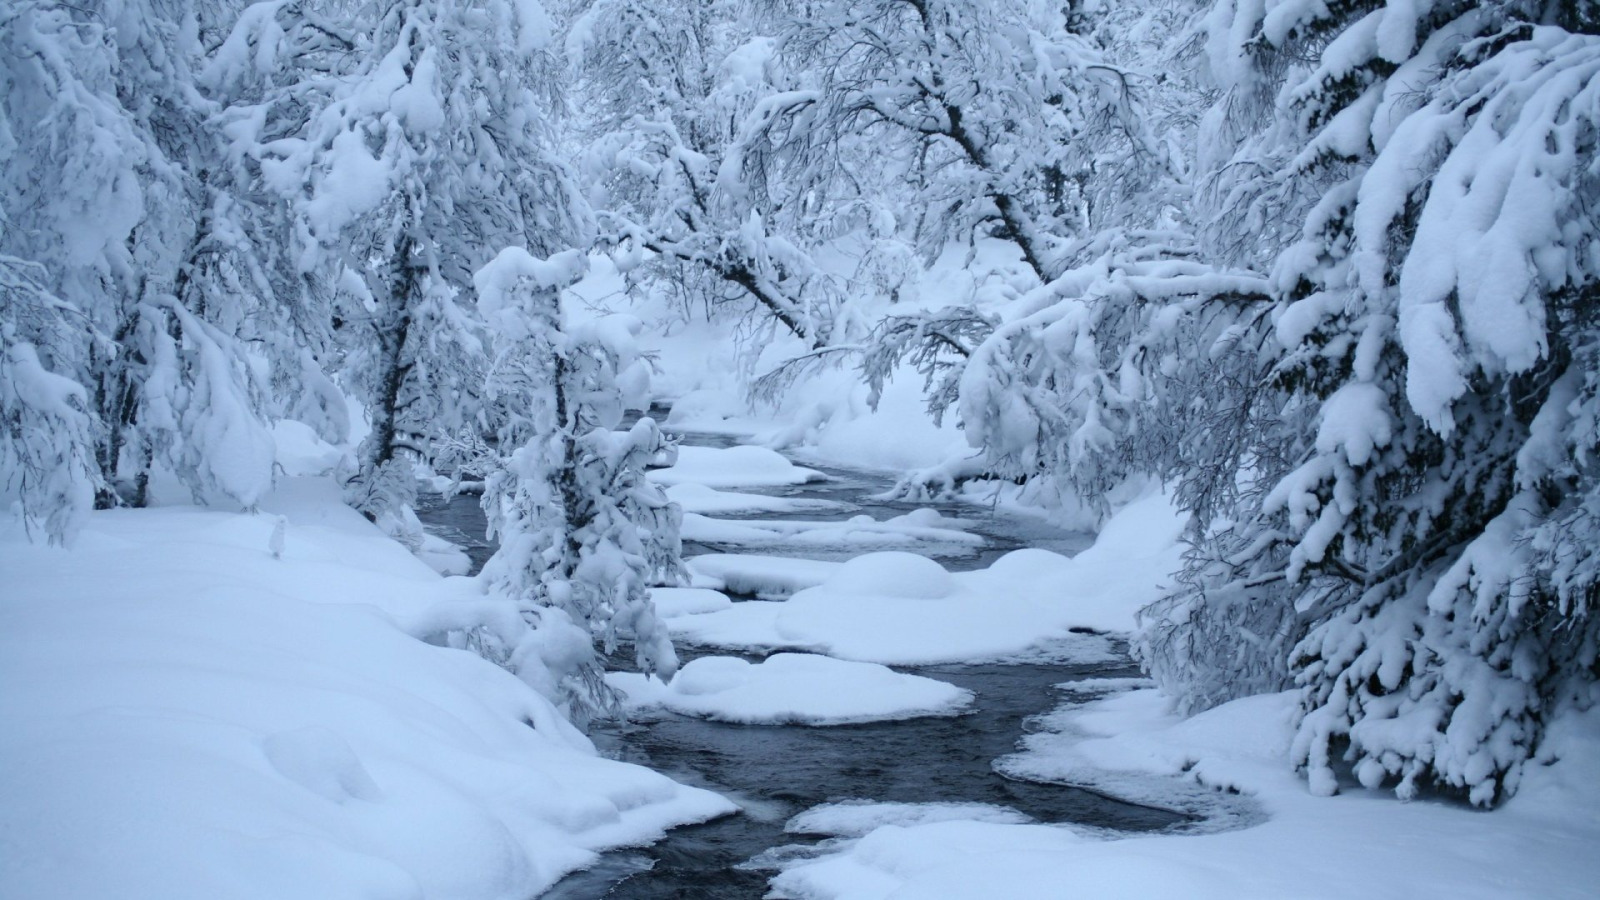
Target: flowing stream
(777, 771)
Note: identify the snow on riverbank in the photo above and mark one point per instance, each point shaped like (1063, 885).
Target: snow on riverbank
(187, 716)
(741, 466)
(792, 688)
(919, 527)
(697, 498)
(901, 609)
(762, 576)
(1360, 844)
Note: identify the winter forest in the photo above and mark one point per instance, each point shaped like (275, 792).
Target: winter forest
(806, 372)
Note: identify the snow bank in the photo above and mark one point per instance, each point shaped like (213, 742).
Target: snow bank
(673, 602)
(1360, 844)
(201, 704)
(792, 688)
(855, 818)
(902, 609)
(741, 466)
(762, 576)
(920, 527)
(697, 498)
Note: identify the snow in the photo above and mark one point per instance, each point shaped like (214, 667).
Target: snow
(673, 602)
(860, 817)
(697, 498)
(920, 527)
(353, 184)
(898, 608)
(761, 576)
(203, 704)
(792, 688)
(741, 466)
(1360, 844)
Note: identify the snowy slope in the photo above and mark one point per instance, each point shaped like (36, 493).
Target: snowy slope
(189, 717)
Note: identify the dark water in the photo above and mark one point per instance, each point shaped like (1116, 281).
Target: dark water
(775, 772)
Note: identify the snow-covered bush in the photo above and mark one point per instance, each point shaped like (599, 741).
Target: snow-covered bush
(582, 534)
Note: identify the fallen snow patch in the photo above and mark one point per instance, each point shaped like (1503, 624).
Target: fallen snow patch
(921, 527)
(697, 498)
(758, 576)
(855, 818)
(903, 609)
(792, 688)
(673, 602)
(741, 466)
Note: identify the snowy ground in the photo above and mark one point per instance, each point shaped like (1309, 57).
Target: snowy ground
(187, 716)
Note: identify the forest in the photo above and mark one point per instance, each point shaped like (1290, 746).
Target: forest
(1322, 274)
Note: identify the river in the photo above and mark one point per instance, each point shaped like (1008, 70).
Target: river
(776, 772)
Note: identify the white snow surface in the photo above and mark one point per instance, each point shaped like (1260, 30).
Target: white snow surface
(763, 576)
(742, 466)
(697, 498)
(857, 818)
(1360, 844)
(672, 602)
(919, 527)
(899, 608)
(187, 716)
(792, 688)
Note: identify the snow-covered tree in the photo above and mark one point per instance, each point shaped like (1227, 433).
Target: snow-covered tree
(582, 533)
(989, 119)
(1409, 551)
(48, 431)
(105, 143)
(429, 155)
(677, 90)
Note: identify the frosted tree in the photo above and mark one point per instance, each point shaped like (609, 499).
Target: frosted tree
(1408, 549)
(429, 155)
(679, 89)
(48, 431)
(1062, 387)
(105, 136)
(582, 533)
(935, 88)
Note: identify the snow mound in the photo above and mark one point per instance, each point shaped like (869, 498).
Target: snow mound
(900, 609)
(742, 466)
(697, 498)
(892, 574)
(857, 531)
(205, 704)
(792, 688)
(673, 602)
(855, 818)
(759, 576)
